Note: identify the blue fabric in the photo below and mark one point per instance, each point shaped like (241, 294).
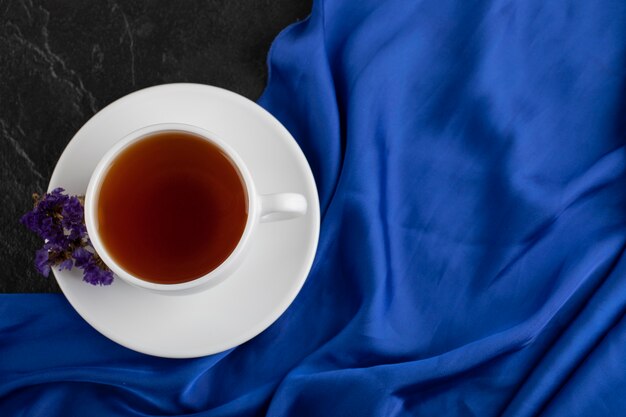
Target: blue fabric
(471, 166)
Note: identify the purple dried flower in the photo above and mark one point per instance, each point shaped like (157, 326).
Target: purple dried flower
(92, 267)
(59, 220)
(82, 257)
(66, 264)
(45, 218)
(72, 212)
(77, 233)
(97, 276)
(54, 248)
(42, 262)
(73, 219)
(53, 200)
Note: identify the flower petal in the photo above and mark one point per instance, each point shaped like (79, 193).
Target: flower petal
(42, 262)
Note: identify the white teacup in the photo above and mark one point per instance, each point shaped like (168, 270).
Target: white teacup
(261, 208)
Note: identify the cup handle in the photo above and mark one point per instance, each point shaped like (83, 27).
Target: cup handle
(283, 206)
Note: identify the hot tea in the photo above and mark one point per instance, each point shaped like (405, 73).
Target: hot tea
(172, 207)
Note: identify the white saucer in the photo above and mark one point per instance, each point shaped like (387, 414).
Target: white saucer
(279, 256)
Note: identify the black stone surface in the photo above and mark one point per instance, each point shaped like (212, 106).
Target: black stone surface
(63, 60)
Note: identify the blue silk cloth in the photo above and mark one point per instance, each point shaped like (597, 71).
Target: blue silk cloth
(471, 166)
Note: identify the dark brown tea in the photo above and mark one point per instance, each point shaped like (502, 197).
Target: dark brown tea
(171, 208)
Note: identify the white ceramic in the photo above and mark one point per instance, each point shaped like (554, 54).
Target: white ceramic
(279, 254)
(270, 207)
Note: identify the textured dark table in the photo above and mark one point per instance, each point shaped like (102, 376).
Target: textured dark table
(63, 60)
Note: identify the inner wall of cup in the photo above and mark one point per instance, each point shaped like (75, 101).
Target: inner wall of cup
(227, 154)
